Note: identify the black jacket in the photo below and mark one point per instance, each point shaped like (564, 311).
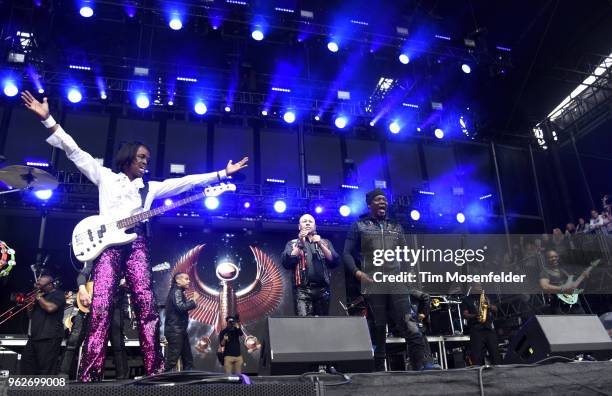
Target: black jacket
(311, 256)
(367, 235)
(177, 311)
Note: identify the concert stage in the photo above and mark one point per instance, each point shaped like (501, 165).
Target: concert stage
(558, 378)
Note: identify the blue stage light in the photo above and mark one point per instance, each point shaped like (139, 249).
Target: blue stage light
(227, 109)
(340, 122)
(460, 218)
(175, 23)
(74, 95)
(38, 164)
(142, 101)
(280, 206)
(394, 127)
(43, 194)
(246, 204)
(289, 117)
(415, 215)
(167, 202)
(466, 68)
(404, 59)
(130, 9)
(319, 209)
(345, 210)
(332, 46)
(101, 88)
(211, 203)
(86, 11)
(10, 88)
(257, 35)
(439, 133)
(200, 108)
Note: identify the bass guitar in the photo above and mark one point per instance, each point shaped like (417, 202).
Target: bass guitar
(95, 233)
(572, 298)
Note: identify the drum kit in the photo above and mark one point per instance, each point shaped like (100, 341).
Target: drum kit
(26, 178)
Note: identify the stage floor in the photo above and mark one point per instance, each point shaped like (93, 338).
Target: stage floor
(581, 378)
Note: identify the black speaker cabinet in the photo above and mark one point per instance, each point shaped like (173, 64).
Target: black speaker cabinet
(295, 345)
(559, 335)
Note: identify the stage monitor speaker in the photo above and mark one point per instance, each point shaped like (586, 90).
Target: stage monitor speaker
(559, 335)
(295, 345)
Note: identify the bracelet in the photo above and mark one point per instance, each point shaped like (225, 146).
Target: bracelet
(49, 122)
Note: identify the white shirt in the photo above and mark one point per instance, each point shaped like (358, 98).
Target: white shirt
(118, 196)
(599, 221)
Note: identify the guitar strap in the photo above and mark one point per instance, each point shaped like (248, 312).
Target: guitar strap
(143, 194)
(145, 227)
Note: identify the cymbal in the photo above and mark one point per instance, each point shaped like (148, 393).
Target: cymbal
(20, 177)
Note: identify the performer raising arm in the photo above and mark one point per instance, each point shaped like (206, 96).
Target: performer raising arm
(119, 194)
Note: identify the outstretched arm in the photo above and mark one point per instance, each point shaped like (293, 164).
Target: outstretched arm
(60, 139)
(232, 168)
(170, 187)
(41, 109)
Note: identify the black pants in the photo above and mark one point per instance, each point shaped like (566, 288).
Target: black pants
(481, 340)
(117, 339)
(178, 347)
(427, 355)
(77, 335)
(312, 300)
(398, 307)
(73, 343)
(39, 357)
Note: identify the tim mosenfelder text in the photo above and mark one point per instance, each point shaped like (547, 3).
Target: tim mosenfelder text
(448, 277)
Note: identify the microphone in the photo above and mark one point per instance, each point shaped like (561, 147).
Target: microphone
(317, 245)
(44, 262)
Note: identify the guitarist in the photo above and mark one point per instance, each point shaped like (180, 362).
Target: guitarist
(120, 193)
(554, 280)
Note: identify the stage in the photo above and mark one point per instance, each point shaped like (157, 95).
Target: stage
(556, 378)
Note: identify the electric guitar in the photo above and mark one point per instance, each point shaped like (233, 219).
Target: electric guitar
(95, 233)
(572, 298)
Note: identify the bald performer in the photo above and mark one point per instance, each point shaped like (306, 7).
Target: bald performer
(310, 257)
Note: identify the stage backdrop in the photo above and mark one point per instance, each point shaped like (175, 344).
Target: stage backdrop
(231, 270)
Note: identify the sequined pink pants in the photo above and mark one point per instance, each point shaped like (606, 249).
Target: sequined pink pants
(133, 261)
